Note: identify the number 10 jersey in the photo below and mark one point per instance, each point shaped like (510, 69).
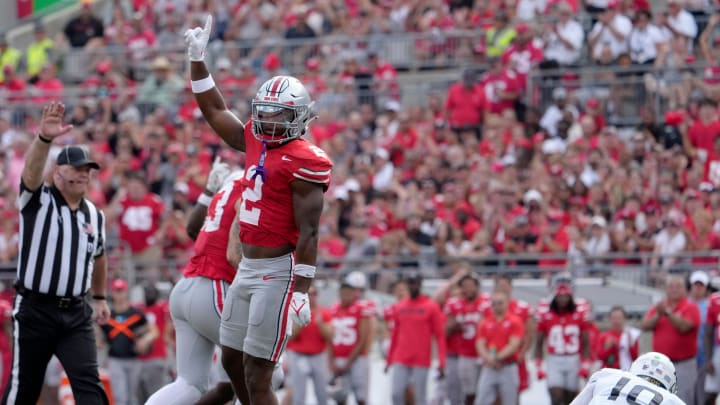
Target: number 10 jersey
(610, 386)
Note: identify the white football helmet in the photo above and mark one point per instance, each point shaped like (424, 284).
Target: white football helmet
(281, 110)
(658, 367)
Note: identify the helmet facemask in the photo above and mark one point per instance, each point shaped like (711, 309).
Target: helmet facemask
(276, 122)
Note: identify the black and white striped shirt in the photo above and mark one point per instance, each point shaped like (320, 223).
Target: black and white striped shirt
(57, 246)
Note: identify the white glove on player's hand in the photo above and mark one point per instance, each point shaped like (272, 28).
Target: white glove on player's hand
(197, 39)
(217, 176)
(300, 308)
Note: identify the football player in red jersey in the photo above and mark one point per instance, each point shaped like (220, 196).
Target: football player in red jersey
(524, 311)
(463, 314)
(563, 328)
(352, 325)
(196, 301)
(282, 199)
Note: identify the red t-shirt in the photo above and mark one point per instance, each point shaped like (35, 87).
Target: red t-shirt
(157, 314)
(563, 330)
(210, 258)
(493, 84)
(468, 314)
(140, 220)
(309, 340)
(713, 315)
(266, 213)
(464, 105)
(703, 136)
(497, 333)
(668, 341)
(346, 325)
(417, 322)
(522, 59)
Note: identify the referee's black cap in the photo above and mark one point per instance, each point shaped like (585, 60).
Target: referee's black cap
(76, 156)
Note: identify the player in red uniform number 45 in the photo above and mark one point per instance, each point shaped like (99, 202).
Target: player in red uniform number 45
(282, 199)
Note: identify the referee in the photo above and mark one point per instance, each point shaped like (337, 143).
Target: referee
(61, 257)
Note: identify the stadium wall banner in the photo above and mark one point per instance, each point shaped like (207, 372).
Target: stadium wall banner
(28, 8)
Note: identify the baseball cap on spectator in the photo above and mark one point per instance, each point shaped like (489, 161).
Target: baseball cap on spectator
(355, 279)
(559, 93)
(312, 64)
(341, 193)
(182, 188)
(392, 105)
(706, 186)
(626, 213)
(691, 193)
(383, 154)
(613, 4)
(352, 185)
(75, 156)
(553, 146)
(119, 285)
(160, 63)
(699, 276)
(532, 195)
(272, 61)
(599, 221)
(592, 103)
(224, 64)
(103, 66)
(522, 28)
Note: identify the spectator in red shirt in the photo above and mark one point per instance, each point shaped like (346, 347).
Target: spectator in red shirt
(153, 365)
(523, 54)
(500, 86)
(618, 347)
(385, 84)
(499, 344)
(465, 105)
(139, 213)
(418, 320)
(12, 88)
(703, 132)
(48, 87)
(674, 323)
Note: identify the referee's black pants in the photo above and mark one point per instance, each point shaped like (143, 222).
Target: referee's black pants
(45, 326)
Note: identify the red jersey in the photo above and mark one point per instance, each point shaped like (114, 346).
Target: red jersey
(417, 321)
(563, 330)
(493, 85)
(309, 340)
(266, 212)
(713, 315)
(157, 314)
(497, 333)
(608, 345)
(210, 258)
(346, 325)
(522, 59)
(140, 220)
(668, 341)
(468, 314)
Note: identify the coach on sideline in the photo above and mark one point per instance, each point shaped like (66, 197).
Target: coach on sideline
(61, 257)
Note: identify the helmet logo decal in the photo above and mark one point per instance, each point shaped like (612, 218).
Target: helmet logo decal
(274, 89)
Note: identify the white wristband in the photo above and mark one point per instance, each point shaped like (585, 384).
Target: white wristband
(305, 270)
(204, 199)
(202, 85)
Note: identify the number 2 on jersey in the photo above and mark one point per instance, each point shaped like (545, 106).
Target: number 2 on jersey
(254, 194)
(635, 392)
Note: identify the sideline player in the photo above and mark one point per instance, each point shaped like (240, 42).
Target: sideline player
(651, 380)
(463, 314)
(196, 301)
(399, 290)
(351, 319)
(282, 200)
(563, 327)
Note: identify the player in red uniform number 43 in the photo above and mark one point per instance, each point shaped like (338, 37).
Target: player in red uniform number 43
(282, 199)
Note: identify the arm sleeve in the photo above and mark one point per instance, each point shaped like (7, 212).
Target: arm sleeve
(586, 395)
(29, 199)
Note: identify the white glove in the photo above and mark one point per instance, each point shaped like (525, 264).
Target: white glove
(197, 39)
(300, 308)
(217, 176)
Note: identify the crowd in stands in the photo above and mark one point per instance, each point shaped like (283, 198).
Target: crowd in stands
(497, 162)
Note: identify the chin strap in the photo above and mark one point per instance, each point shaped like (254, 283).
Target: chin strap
(260, 169)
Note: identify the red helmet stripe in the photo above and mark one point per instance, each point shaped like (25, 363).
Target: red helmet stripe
(276, 84)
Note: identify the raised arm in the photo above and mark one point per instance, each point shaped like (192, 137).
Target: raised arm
(211, 103)
(51, 127)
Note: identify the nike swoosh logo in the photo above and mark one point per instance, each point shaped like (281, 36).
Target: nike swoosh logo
(285, 158)
(266, 278)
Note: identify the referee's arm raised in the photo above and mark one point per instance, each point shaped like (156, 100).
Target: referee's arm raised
(51, 127)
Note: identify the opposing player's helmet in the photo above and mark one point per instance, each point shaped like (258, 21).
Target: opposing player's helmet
(281, 110)
(657, 368)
